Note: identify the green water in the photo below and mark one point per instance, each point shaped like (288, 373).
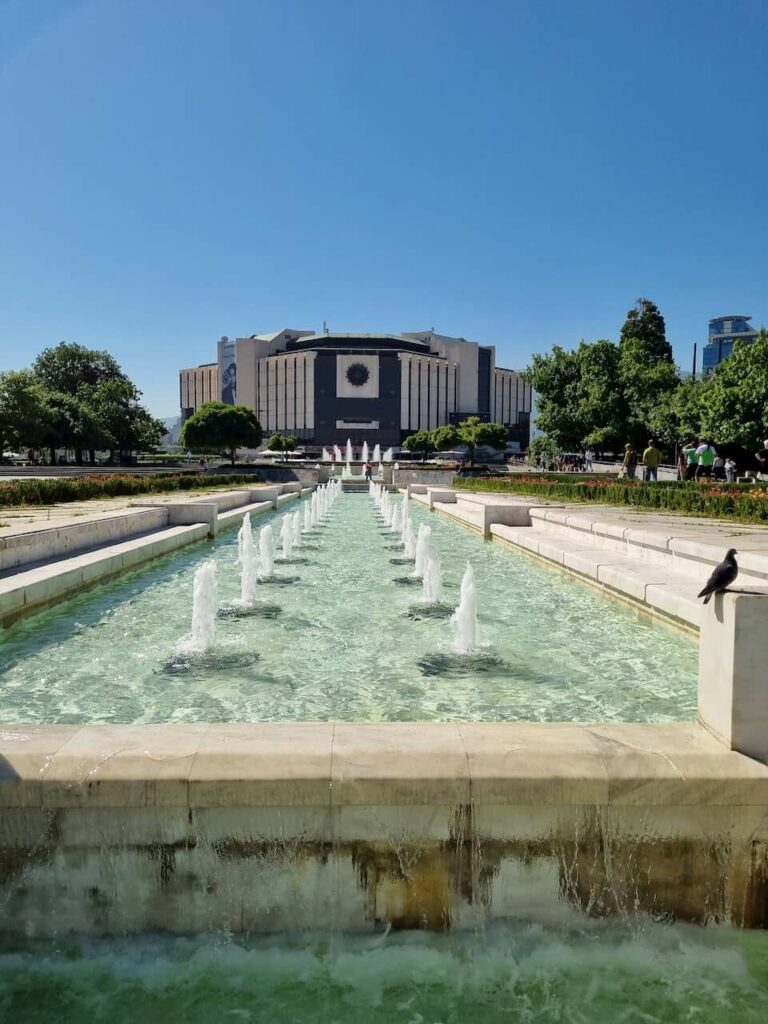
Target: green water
(348, 642)
(605, 974)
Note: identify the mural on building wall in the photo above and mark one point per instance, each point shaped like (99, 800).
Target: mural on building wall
(228, 371)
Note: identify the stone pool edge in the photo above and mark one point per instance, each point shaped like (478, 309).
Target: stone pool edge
(272, 826)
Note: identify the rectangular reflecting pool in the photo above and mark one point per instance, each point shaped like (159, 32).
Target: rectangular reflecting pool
(340, 634)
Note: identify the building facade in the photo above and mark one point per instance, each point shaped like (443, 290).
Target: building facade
(723, 332)
(197, 385)
(324, 388)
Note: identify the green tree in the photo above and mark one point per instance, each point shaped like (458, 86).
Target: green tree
(544, 447)
(67, 367)
(421, 441)
(445, 438)
(556, 379)
(68, 423)
(735, 407)
(22, 410)
(124, 423)
(473, 431)
(216, 425)
(282, 443)
(646, 324)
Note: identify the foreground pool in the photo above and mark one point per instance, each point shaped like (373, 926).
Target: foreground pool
(602, 974)
(346, 641)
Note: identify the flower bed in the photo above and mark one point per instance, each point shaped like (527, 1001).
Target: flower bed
(746, 502)
(61, 489)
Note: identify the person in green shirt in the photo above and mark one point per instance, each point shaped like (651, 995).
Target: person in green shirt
(706, 456)
(651, 460)
(691, 461)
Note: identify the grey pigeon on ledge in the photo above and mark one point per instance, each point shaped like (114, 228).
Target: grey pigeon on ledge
(722, 576)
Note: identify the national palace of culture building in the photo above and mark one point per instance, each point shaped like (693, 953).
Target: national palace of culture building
(324, 388)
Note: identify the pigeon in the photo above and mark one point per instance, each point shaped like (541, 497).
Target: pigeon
(722, 576)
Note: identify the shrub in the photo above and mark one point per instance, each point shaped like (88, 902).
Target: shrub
(51, 490)
(738, 501)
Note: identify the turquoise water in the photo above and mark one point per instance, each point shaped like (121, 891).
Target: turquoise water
(347, 642)
(606, 974)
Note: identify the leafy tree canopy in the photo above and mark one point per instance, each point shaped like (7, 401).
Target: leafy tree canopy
(645, 323)
(22, 410)
(228, 427)
(736, 407)
(68, 367)
(421, 441)
(473, 431)
(445, 438)
(282, 443)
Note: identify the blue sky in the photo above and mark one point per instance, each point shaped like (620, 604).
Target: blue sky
(515, 172)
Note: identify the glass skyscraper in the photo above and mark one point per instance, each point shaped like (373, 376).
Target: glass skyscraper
(723, 331)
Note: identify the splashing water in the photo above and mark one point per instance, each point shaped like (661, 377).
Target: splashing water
(377, 452)
(397, 520)
(286, 535)
(348, 452)
(364, 453)
(432, 582)
(297, 529)
(266, 552)
(464, 619)
(246, 559)
(409, 539)
(422, 542)
(205, 605)
(307, 517)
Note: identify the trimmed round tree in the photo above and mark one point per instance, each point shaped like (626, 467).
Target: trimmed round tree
(217, 425)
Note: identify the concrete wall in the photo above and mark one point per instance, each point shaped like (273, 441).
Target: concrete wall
(267, 827)
(28, 547)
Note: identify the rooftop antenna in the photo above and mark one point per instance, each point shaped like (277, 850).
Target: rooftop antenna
(325, 327)
(693, 373)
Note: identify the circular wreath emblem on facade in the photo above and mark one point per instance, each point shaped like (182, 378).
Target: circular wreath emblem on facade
(357, 374)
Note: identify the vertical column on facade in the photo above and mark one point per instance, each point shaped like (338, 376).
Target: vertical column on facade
(434, 365)
(310, 390)
(423, 402)
(404, 362)
(290, 392)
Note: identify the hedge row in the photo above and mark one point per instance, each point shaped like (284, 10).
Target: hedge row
(747, 502)
(50, 490)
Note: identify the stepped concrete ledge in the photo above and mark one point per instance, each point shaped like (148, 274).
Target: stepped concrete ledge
(271, 826)
(656, 561)
(44, 565)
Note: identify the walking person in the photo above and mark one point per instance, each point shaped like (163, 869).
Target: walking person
(589, 458)
(691, 461)
(651, 460)
(705, 455)
(730, 470)
(368, 472)
(629, 465)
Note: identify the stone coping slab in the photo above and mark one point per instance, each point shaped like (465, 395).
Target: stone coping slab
(326, 764)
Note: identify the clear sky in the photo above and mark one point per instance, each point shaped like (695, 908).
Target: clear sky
(514, 171)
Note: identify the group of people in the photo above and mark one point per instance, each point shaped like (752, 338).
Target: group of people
(698, 461)
(650, 458)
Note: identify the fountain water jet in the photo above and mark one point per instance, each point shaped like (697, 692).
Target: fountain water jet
(348, 456)
(364, 453)
(286, 535)
(377, 452)
(464, 619)
(432, 584)
(422, 542)
(297, 529)
(266, 552)
(205, 605)
(246, 559)
(307, 518)
(396, 524)
(409, 540)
